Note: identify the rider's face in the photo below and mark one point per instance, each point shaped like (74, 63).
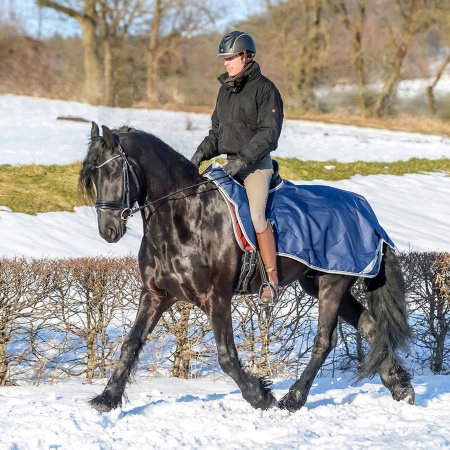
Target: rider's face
(234, 64)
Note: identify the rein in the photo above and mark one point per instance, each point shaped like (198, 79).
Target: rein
(139, 208)
(125, 205)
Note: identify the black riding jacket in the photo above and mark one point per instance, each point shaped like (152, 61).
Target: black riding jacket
(247, 119)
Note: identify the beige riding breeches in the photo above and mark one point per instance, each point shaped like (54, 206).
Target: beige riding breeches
(256, 186)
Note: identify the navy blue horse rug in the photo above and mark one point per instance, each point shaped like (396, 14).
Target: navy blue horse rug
(328, 229)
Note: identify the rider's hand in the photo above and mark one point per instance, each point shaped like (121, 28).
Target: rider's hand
(233, 167)
(198, 157)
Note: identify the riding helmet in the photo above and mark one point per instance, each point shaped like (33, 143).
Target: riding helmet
(236, 42)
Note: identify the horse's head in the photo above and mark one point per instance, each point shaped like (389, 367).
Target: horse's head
(108, 179)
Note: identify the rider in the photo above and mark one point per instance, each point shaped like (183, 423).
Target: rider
(246, 125)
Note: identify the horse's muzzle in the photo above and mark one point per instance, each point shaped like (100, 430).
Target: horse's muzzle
(111, 228)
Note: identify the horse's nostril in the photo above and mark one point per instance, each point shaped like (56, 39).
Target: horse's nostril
(112, 233)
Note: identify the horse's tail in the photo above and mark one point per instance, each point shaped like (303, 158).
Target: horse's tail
(386, 299)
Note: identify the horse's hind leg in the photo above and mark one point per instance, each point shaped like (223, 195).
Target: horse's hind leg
(331, 290)
(255, 390)
(393, 376)
(151, 308)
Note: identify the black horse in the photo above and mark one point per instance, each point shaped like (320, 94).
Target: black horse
(189, 252)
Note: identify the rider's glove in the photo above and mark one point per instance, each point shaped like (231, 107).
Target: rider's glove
(233, 167)
(198, 157)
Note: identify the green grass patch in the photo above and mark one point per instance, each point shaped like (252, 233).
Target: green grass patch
(296, 169)
(35, 188)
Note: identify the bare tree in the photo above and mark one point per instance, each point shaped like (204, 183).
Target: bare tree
(274, 341)
(442, 22)
(192, 338)
(23, 285)
(427, 275)
(117, 18)
(172, 23)
(354, 19)
(89, 299)
(86, 16)
(298, 31)
(414, 16)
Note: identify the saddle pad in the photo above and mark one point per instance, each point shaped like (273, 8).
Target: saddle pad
(328, 229)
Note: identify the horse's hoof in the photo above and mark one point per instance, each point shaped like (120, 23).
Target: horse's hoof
(105, 402)
(288, 403)
(99, 406)
(272, 402)
(406, 395)
(410, 398)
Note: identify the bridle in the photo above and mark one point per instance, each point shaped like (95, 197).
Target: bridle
(125, 205)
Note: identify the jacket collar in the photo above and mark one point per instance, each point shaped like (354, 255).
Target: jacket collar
(236, 83)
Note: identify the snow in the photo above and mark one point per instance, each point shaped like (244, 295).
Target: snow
(165, 413)
(210, 412)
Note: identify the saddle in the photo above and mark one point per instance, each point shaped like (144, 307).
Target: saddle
(276, 178)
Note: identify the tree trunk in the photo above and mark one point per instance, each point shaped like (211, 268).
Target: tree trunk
(430, 89)
(266, 321)
(356, 29)
(314, 44)
(180, 367)
(153, 54)
(392, 78)
(416, 16)
(4, 369)
(91, 59)
(108, 89)
(90, 341)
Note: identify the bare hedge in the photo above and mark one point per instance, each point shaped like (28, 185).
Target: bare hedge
(68, 317)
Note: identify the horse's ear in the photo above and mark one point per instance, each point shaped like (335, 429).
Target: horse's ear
(95, 132)
(108, 136)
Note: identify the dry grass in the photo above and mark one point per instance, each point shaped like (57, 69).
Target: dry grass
(425, 125)
(35, 188)
(296, 169)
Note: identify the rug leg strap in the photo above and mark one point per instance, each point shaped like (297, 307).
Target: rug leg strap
(248, 265)
(251, 270)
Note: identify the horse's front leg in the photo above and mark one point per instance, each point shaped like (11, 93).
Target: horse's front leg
(151, 307)
(257, 391)
(331, 290)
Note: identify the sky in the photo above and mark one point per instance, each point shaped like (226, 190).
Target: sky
(209, 412)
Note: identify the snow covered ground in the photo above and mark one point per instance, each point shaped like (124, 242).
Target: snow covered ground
(192, 414)
(210, 413)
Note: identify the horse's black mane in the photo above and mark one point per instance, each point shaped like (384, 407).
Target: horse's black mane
(86, 185)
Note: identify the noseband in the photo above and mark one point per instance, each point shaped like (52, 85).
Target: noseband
(125, 205)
